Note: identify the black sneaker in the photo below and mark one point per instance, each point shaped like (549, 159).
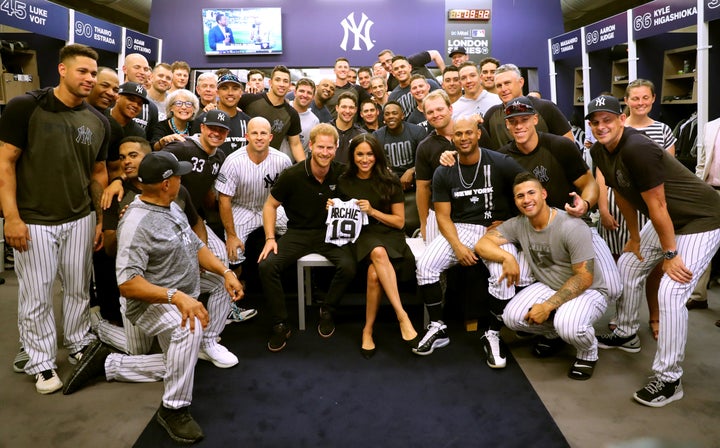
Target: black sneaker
(544, 347)
(326, 327)
(436, 337)
(494, 349)
(658, 393)
(278, 338)
(630, 344)
(89, 367)
(179, 424)
(582, 370)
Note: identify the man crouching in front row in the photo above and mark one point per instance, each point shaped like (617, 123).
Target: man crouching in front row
(158, 271)
(569, 294)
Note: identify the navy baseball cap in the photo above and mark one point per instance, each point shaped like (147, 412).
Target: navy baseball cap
(216, 117)
(519, 106)
(604, 103)
(135, 89)
(229, 78)
(160, 165)
(458, 50)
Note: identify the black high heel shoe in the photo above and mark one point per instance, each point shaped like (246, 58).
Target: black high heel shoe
(367, 354)
(412, 342)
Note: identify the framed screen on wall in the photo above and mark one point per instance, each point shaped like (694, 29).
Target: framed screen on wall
(229, 31)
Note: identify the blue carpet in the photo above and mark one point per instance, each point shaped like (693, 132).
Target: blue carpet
(323, 393)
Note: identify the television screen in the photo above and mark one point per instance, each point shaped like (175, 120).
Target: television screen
(242, 31)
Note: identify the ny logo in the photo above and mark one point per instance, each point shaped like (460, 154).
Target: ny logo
(140, 89)
(360, 31)
(221, 117)
(84, 135)
(599, 101)
(270, 181)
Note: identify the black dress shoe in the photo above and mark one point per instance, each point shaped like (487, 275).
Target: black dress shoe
(717, 323)
(367, 354)
(696, 304)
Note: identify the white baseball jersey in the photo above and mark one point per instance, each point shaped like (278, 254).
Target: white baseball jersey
(344, 222)
(249, 184)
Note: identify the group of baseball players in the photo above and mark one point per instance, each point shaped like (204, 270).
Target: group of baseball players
(521, 208)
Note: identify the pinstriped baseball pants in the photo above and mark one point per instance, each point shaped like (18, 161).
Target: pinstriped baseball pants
(63, 251)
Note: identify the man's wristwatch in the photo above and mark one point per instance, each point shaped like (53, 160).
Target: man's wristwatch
(669, 255)
(170, 293)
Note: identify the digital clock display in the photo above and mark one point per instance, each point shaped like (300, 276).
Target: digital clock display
(469, 14)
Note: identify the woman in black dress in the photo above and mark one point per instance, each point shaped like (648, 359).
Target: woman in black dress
(381, 243)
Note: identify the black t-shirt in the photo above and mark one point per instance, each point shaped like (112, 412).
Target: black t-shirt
(119, 132)
(60, 147)
(400, 149)
(284, 120)
(360, 96)
(556, 163)
(323, 113)
(417, 61)
(236, 137)
(344, 137)
(485, 192)
(147, 119)
(303, 197)
(550, 120)
(403, 96)
(201, 179)
(638, 164)
(427, 157)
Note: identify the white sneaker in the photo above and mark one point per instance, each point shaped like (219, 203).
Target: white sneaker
(494, 350)
(218, 355)
(47, 382)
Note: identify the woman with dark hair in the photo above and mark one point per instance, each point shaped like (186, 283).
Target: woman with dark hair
(381, 243)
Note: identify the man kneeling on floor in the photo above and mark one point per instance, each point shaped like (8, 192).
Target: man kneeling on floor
(570, 293)
(158, 272)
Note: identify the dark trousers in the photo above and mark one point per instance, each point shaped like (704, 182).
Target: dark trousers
(106, 287)
(294, 245)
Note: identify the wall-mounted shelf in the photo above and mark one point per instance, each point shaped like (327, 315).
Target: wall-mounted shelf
(19, 74)
(619, 81)
(679, 83)
(578, 92)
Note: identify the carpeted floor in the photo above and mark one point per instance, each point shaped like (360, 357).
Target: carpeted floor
(320, 392)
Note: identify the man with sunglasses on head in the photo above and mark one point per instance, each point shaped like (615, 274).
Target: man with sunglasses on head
(509, 83)
(229, 92)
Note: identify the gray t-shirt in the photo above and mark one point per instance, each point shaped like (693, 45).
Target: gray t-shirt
(158, 244)
(552, 251)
